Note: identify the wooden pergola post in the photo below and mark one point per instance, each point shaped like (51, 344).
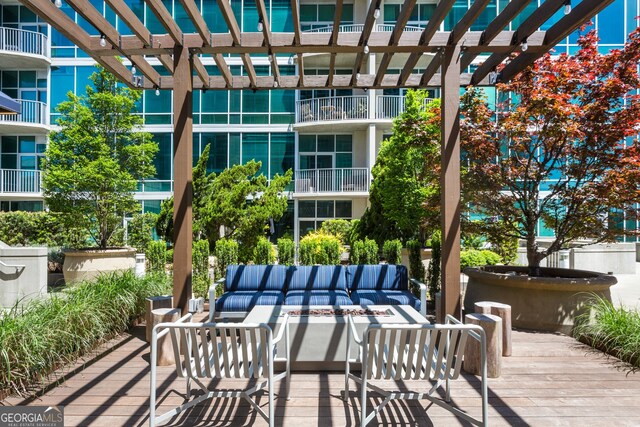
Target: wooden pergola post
(182, 172)
(450, 183)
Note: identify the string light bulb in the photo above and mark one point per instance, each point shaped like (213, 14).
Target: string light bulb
(157, 91)
(58, 3)
(376, 13)
(366, 49)
(133, 69)
(275, 83)
(567, 7)
(524, 45)
(103, 41)
(260, 26)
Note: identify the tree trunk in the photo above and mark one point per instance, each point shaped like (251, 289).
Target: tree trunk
(533, 257)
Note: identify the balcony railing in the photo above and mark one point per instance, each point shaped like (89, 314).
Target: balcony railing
(332, 108)
(357, 28)
(391, 106)
(15, 40)
(344, 180)
(30, 112)
(19, 181)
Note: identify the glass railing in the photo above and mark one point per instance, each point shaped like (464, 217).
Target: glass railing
(19, 181)
(342, 180)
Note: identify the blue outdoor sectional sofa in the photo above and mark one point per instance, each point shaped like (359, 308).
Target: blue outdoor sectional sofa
(246, 286)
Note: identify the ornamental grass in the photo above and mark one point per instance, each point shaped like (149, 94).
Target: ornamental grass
(44, 334)
(614, 330)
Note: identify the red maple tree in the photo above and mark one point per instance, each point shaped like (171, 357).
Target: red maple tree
(561, 149)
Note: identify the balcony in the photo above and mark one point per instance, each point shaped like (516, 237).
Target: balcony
(32, 114)
(23, 49)
(323, 181)
(335, 109)
(388, 107)
(358, 28)
(20, 182)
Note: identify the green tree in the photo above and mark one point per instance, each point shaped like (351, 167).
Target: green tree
(95, 159)
(404, 195)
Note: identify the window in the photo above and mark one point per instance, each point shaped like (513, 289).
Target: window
(320, 16)
(312, 213)
(325, 151)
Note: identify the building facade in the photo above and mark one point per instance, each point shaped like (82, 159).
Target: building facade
(329, 138)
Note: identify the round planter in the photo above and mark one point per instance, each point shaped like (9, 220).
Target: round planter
(87, 264)
(550, 302)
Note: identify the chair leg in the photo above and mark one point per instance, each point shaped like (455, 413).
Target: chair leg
(363, 403)
(346, 381)
(271, 411)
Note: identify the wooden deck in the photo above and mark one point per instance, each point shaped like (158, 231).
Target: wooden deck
(551, 380)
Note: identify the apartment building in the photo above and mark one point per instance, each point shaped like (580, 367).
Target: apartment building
(329, 138)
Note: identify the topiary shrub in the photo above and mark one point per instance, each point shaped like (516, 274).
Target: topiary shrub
(356, 252)
(226, 253)
(156, 254)
(392, 251)
(433, 272)
(490, 257)
(341, 228)
(416, 268)
(371, 250)
(200, 261)
(286, 251)
(319, 248)
(264, 253)
(471, 258)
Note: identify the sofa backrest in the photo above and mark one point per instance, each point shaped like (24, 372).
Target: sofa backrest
(317, 277)
(377, 277)
(256, 278)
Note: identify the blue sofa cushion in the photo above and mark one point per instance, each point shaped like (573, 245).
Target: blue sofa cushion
(373, 297)
(377, 277)
(246, 300)
(321, 297)
(256, 278)
(318, 277)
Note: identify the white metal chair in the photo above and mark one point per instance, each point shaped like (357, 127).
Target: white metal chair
(413, 352)
(222, 350)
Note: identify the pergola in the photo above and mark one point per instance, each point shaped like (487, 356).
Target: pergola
(452, 52)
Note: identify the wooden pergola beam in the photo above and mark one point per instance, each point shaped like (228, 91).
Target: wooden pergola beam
(266, 32)
(364, 38)
(200, 70)
(295, 17)
(403, 18)
(224, 69)
(164, 17)
(230, 19)
(467, 20)
(167, 62)
(198, 20)
(251, 71)
(146, 69)
(125, 13)
(300, 70)
(429, 31)
(431, 69)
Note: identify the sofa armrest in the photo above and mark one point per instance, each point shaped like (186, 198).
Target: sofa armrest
(212, 297)
(423, 295)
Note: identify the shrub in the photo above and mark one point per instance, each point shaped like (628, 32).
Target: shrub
(43, 334)
(416, 268)
(37, 229)
(615, 330)
(434, 280)
(264, 253)
(474, 258)
(200, 261)
(226, 253)
(320, 248)
(356, 252)
(490, 257)
(340, 228)
(286, 251)
(371, 250)
(392, 251)
(156, 255)
(354, 232)
(140, 230)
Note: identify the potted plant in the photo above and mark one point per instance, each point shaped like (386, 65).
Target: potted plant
(91, 170)
(558, 157)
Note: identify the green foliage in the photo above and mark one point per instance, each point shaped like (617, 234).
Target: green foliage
(164, 222)
(371, 251)
(341, 228)
(490, 257)
(392, 251)
(357, 253)
(200, 260)
(472, 241)
(93, 162)
(615, 330)
(354, 232)
(264, 253)
(320, 248)
(405, 192)
(156, 255)
(286, 251)
(38, 229)
(226, 252)
(416, 268)
(434, 278)
(475, 258)
(140, 230)
(47, 333)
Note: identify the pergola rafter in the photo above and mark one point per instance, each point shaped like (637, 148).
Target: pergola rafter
(184, 56)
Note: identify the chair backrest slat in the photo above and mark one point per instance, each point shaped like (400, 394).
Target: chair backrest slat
(224, 352)
(255, 370)
(215, 350)
(422, 363)
(180, 370)
(206, 352)
(390, 368)
(411, 364)
(233, 345)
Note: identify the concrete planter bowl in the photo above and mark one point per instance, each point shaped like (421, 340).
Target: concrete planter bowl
(550, 302)
(86, 264)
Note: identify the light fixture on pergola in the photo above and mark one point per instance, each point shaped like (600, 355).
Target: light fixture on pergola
(451, 53)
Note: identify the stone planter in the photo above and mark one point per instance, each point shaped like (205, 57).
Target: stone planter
(87, 264)
(547, 303)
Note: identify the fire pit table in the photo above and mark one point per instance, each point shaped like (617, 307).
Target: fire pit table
(319, 333)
